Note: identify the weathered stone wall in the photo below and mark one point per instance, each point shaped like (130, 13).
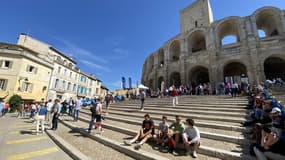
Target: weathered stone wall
(250, 51)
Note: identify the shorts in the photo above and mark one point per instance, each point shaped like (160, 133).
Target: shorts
(192, 144)
(98, 118)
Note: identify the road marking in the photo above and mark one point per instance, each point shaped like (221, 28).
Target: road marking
(27, 140)
(15, 132)
(33, 154)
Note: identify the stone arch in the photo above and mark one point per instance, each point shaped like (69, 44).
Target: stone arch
(268, 20)
(175, 49)
(229, 27)
(175, 79)
(161, 58)
(274, 67)
(150, 84)
(199, 74)
(197, 41)
(234, 71)
(160, 81)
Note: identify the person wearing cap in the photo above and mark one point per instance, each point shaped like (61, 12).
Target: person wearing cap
(191, 138)
(175, 134)
(162, 132)
(270, 142)
(146, 132)
(278, 121)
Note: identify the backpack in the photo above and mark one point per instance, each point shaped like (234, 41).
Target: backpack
(93, 108)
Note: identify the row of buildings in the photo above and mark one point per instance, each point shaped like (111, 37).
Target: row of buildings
(36, 70)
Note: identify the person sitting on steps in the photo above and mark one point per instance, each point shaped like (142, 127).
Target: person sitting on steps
(146, 132)
(191, 138)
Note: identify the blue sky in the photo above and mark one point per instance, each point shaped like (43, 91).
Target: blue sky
(108, 38)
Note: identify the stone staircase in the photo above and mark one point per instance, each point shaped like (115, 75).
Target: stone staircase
(217, 117)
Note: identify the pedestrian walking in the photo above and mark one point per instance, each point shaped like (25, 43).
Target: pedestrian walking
(174, 97)
(93, 115)
(78, 105)
(1, 107)
(98, 116)
(56, 112)
(49, 108)
(41, 118)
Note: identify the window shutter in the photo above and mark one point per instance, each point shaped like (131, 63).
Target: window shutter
(1, 63)
(23, 87)
(10, 64)
(27, 69)
(36, 70)
(5, 84)
(31, 88)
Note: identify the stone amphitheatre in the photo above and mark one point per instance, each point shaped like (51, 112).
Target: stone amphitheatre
(200, 53)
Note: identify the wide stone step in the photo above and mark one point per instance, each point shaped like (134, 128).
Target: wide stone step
(202, 102)
(87, 146)
(185, 107)
(183, 110)
(211, 133)
(226, 150)
(229, 126)
(195, 116)
(79, 127)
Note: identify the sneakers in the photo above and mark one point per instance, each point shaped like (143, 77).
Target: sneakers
(195, 154)
(142, 109)
(174, 153)
(138, 146)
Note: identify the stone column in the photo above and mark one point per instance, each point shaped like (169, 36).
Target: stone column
(182, 61)
(283, 21)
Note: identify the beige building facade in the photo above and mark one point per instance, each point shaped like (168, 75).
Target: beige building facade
(23, 72)
(67, 81)
(200, 52)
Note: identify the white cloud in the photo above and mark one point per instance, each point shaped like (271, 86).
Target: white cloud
(78, 52)
(92, 64)
(119, 53)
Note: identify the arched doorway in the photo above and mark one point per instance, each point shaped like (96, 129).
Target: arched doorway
(175, 51)
(274, 68)
(175, 79)
(160, 80)
(197, 42)
(235, 71)
(199, 75)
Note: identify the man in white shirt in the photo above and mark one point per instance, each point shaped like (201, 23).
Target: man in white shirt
(191, 138)
(78, 105)
(49, 108)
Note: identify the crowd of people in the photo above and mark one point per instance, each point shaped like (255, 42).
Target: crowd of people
(178, 132)
(268, 123)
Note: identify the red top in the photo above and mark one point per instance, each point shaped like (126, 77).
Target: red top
(174, 93)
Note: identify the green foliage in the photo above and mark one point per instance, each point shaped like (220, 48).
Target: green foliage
(15, 102)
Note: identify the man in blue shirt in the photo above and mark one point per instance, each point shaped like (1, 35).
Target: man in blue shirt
(1, 108)
(41, 118)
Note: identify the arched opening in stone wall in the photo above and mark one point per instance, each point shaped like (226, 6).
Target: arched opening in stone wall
(175, 51)
(175, 79)
(229, 32)
(267, 22)
(199, 75)
(231, 39)
(234, 72)
(150, 84)
(161, 83)
(161, 58)
(274, 67)
(151, 62)
(197, 41)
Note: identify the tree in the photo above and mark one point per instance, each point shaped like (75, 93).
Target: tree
(15, 102)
